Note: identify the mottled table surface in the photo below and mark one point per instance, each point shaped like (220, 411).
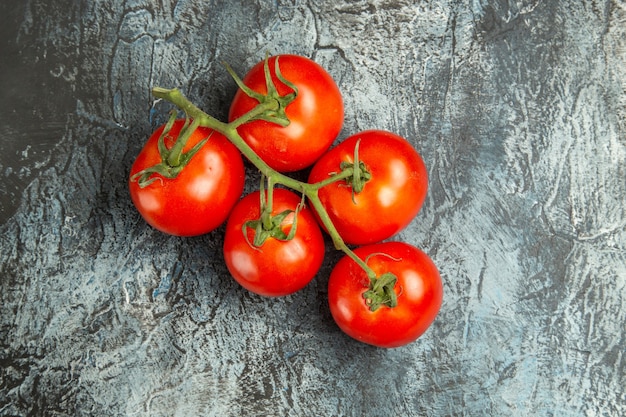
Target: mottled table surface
(518, 109)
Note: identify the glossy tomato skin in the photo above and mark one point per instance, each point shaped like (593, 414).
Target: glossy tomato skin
(276, 268)
(419, 289)
(390, 199)
(316, 115)
(200, 198)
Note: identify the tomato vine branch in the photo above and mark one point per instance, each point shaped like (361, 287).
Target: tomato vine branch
(229, 130)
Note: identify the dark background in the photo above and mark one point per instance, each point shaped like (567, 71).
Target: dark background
(519, 111)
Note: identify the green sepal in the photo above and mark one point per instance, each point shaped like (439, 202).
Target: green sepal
(381, 292)
(275, 115)
(360, 175)
(173, 160)
(267, 225)
(275, 231)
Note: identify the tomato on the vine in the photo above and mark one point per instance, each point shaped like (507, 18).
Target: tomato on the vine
(200, 197)
(418, 289)
(394, 183)
(278, 266)
(315, 115)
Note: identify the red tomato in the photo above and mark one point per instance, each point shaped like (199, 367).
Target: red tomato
(418, 288)
(200, 198)
(277, 267)
(316, 115)
(390, 199)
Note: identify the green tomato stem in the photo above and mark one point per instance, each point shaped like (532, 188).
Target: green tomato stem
(229, 130)
(268, 200)
(312, 195)
(176, 152)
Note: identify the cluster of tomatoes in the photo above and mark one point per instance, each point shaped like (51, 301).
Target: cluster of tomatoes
(189, 177)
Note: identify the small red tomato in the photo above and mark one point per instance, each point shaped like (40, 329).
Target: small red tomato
(392, 194)
(316, 114)
(418, 288)
(200, 198)
(277, 267)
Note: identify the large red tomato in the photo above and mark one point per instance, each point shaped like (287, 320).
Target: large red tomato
(391, 196)
(418, 288)
(200, 198)
(316, 114)
(277, 267)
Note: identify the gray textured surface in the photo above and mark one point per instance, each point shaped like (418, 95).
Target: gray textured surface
(519, 110)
